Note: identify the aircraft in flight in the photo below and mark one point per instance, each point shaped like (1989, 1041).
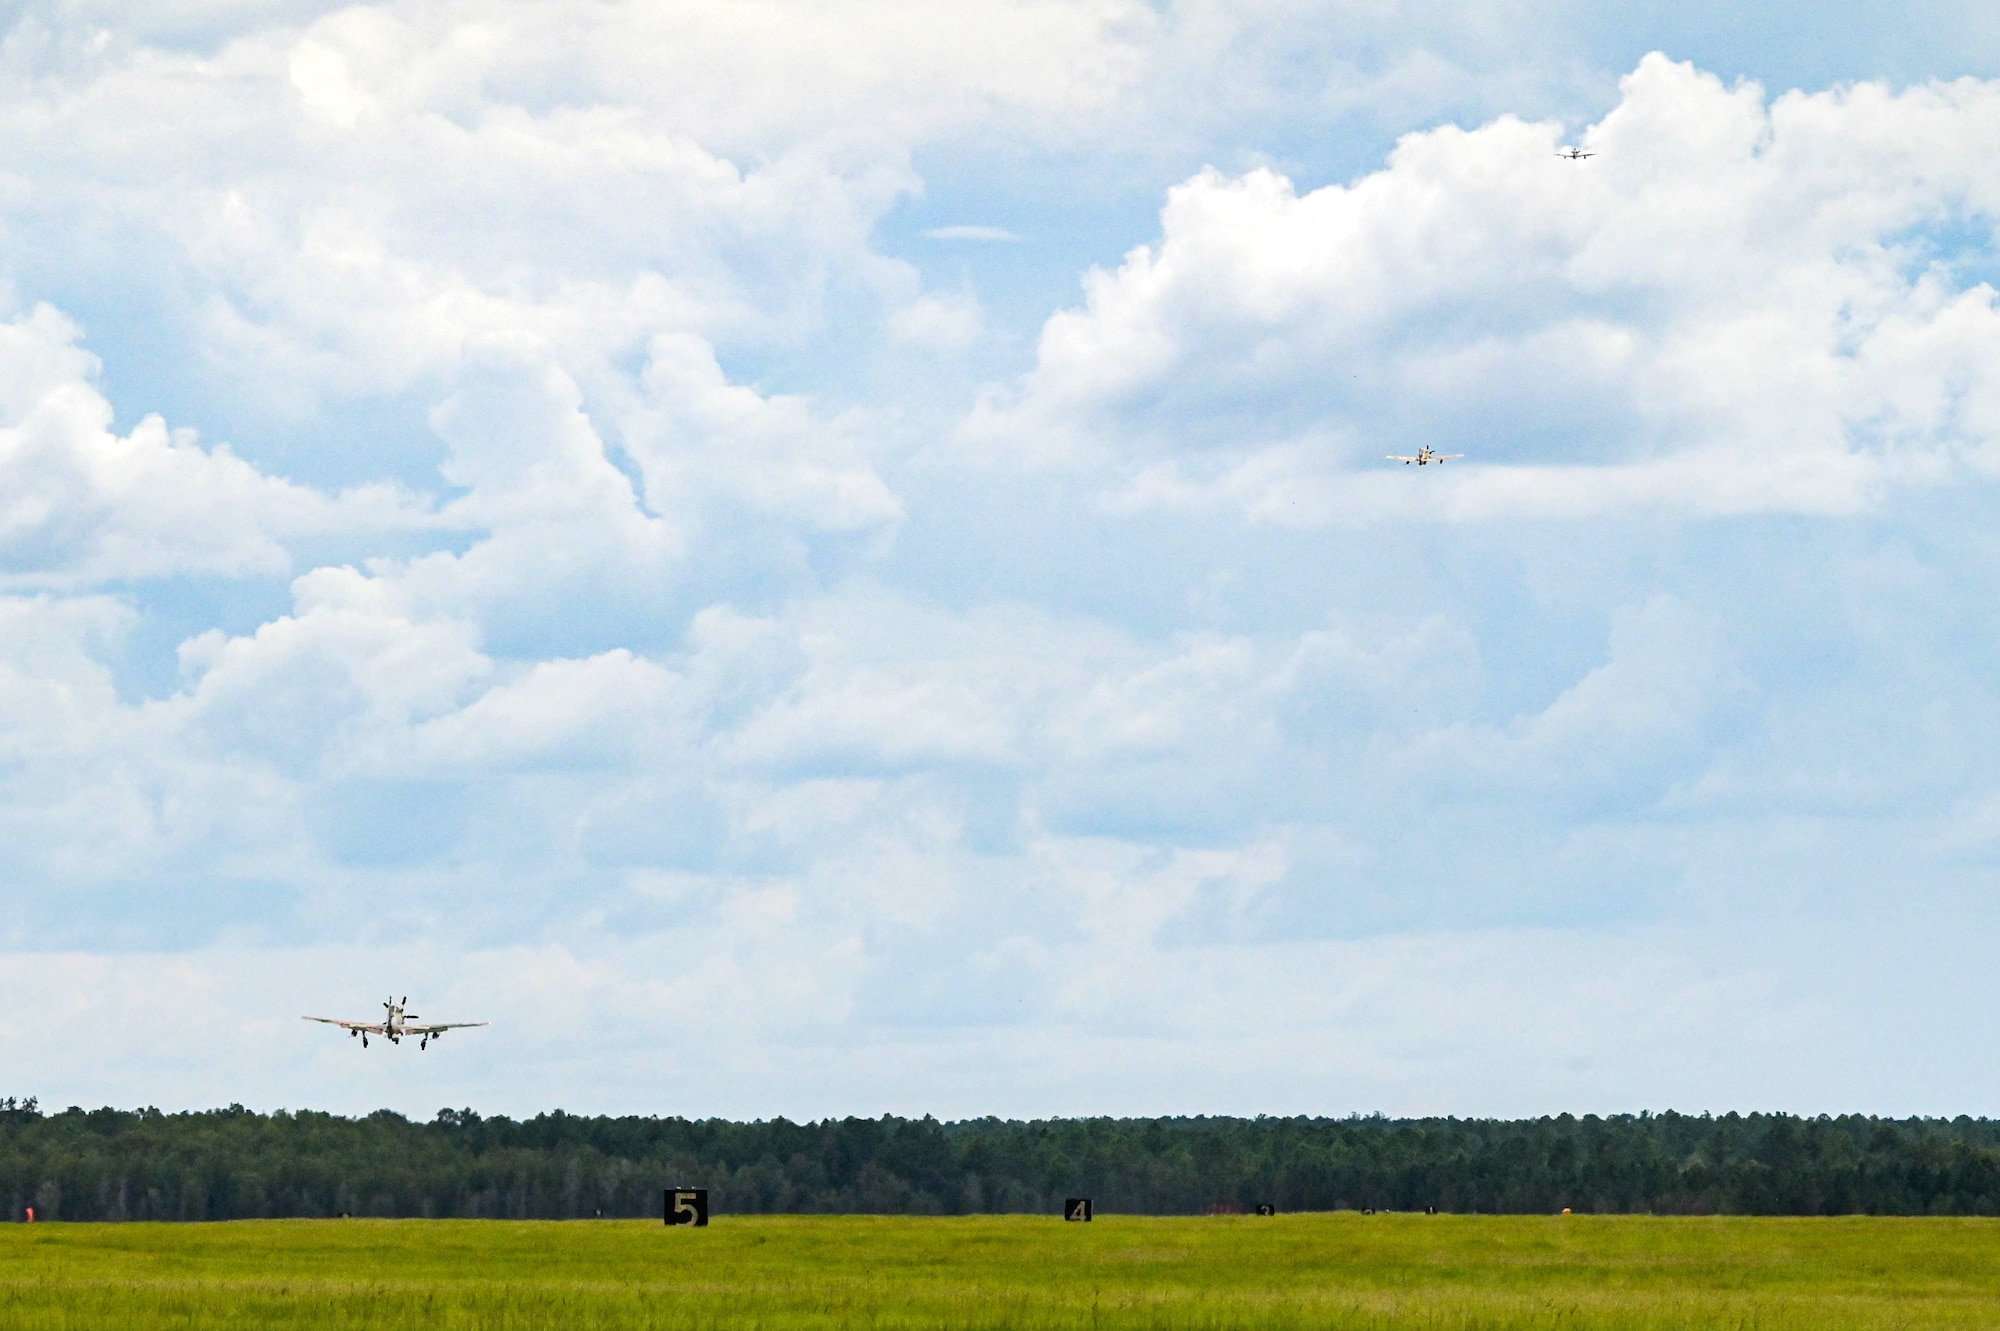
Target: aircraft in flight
(1425, 457)
(1574, 154)
(397, 1025)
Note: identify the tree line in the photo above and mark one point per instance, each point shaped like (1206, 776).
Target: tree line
(225, 1164)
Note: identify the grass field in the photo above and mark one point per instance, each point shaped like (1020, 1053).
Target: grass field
(1319, 1271)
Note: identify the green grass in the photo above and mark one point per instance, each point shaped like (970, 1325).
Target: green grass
(1320, 1271)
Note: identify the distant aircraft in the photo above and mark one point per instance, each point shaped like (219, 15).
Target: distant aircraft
(1425, 457)
(1574, 154)
(397, 1025)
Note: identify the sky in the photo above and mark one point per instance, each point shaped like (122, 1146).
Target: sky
(841, 557)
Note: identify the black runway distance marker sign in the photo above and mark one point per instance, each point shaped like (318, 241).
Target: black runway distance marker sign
(1076, 1208)
(687, 1206)
(1265, 1208)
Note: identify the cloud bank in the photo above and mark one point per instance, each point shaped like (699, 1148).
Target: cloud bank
(507, 503)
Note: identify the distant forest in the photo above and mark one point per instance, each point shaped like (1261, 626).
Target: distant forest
(112, 1164)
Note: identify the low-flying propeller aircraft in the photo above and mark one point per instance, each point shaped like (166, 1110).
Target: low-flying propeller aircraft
(1574, 154)
(1425, 457)
(397, 1025)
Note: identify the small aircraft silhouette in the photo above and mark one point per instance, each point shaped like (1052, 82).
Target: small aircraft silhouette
(1574, 154)
(397, 1025)
(1425, 457)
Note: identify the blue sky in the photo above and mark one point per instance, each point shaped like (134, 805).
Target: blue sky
(838, 558)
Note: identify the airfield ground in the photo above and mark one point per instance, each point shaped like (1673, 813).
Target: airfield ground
(771, 1272)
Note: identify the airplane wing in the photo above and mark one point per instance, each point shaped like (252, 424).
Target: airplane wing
(373, 1028)
(1398, 457)
(1446, 457)
(432, 1028)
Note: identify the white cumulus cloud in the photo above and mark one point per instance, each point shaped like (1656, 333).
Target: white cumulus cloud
(1734, 306)
(82, 504)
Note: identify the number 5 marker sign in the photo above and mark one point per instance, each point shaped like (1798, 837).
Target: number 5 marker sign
(687, 1206)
